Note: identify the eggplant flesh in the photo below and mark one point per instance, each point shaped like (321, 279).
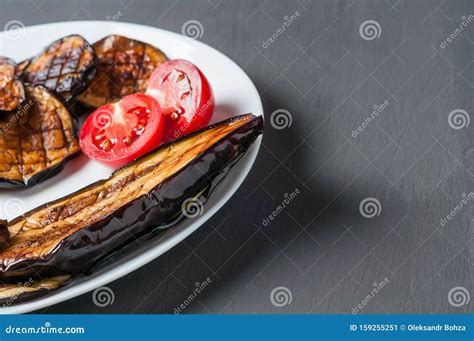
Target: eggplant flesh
(12, 92)
(72, 233)
(124, 67)
(11, 293)
(66, 67)
(20, 67)
(35, 140)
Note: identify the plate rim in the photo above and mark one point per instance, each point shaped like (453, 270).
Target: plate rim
(164, 246)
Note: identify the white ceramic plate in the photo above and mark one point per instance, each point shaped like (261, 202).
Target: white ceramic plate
(234, 94)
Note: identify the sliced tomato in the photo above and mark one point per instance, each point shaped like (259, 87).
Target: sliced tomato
(120, 132)
(184, 95)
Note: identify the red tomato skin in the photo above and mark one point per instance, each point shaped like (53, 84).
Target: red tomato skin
(151, 139)
(200, 115)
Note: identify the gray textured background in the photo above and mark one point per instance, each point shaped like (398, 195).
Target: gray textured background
(328, 78)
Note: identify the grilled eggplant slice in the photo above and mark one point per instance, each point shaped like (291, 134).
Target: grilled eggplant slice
(153, 192)
(12, 92)
(124, 67)
(35, 140)
(66, 67)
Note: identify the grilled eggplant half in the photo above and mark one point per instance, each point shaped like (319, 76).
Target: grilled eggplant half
(66, 67)
(12, 92)
(35, 140)
(152, 193)
(124, 67)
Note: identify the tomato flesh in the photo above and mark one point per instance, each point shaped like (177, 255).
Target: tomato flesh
(177, 95)
(112, 137)
(184, 95)
(122, 131)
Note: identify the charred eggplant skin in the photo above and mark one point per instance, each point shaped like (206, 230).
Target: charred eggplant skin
(4, 233)
(159, 209)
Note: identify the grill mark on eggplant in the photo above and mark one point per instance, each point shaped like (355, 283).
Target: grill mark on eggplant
(66, 67)
(62, 129)
(35, 142)
(43, 147)
(124, 67)
(141, 71)
(40, 238)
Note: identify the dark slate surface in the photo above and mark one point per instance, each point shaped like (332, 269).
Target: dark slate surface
(408, 158)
